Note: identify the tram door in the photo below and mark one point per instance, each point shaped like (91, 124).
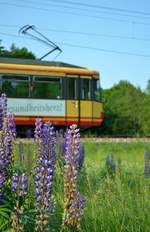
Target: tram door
(72, 102)
(85, 101)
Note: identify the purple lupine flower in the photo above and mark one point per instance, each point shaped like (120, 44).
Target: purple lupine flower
(78, 205)
(19, 184)
(7, 129)
(73, 202)
(24, 179)
(15, 183)
(15, 178)
(23, 185)
(11, 135)
(11, 126)
(1, 114)
(4, 100)
(44, 171)
(38, 130)
(80, 158)
(14, 187)
(1, 179)
(3, 161)
(43, 184)
(37, 138)
(1, 187)
(48, 150)
(8, 134)
(3, 109)
(3, 145)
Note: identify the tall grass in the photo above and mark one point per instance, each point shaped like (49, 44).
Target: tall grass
(115, 201)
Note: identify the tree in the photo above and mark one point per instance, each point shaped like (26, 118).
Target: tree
(144, 115)
(1, 48)
(16, 52)
(21, 52)
(121, 109)
(148, 87)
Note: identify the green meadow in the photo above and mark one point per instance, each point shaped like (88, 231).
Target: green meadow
(117, 200)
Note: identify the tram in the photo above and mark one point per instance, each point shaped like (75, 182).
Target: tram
(58, 92)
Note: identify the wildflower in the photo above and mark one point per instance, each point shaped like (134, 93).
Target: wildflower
(80, 157)
(17, 225)
(43, 185)
(19, 185)
(11, 135)
(4, 101)
(73, 202)
(15, 182)
(1, 186)
(44, 171)
(38, 130)
(3, 109)
(6, 131)
(1, 114)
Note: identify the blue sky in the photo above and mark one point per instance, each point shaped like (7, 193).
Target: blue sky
(111, 36)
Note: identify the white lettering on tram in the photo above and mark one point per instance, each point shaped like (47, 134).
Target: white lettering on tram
(36, 107)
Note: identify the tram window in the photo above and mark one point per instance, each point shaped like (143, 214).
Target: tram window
(72, 88)
(15, 86)
(96, 90)
(85, 89)
(46, 88)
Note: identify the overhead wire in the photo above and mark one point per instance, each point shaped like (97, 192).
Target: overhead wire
(112, 36)
(75, 14)
(64, 12)
(90, 34)
(92, 48)
(97, 10)
(103, 7)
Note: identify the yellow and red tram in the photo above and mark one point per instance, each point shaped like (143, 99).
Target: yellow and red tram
(53, 91)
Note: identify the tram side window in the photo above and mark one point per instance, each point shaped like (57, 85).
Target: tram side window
(96, 91)
(85, 89)
(46, 88)
(15, 86)
(72, 88)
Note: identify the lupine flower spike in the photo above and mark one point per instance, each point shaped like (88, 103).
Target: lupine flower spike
(11, 136)
(37, 137)
(44, 172)
(73, 202)
(19, 188)
(7, 136)
(16, 219)
(2, 147)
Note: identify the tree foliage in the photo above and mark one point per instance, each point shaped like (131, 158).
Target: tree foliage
(16, 52)
(127, 110)
(147, 91)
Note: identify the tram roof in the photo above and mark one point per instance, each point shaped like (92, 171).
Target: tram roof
(37, 62)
